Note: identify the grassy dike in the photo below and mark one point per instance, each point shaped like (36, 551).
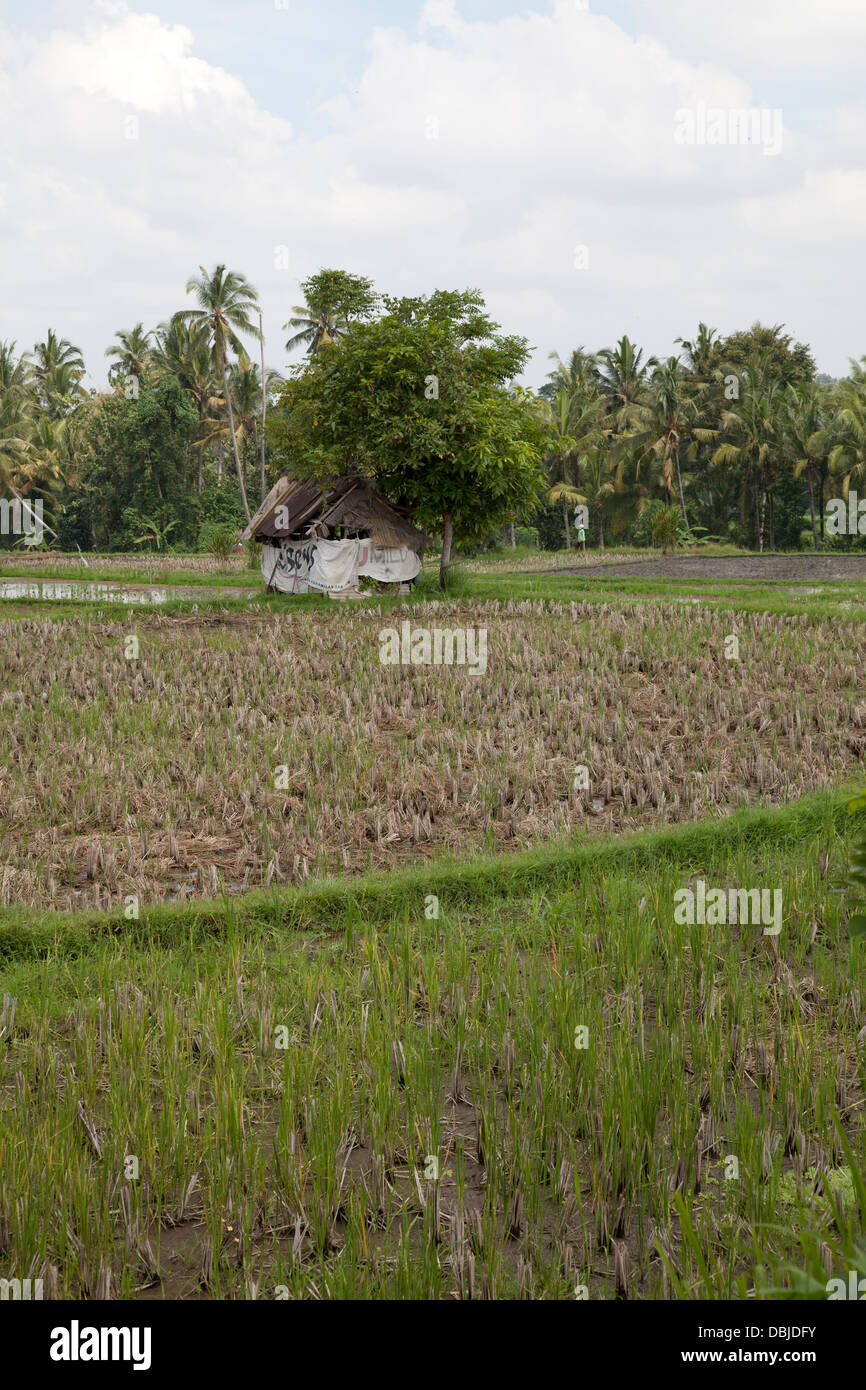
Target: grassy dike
(376, 899)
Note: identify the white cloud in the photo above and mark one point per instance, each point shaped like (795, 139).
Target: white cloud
(553, 130)
(772, 35)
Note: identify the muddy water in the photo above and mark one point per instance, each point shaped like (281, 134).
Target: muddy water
(792, 568)
(84, 592)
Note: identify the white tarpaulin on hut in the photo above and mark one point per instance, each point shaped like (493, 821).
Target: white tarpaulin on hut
(295, 567)
(286, 566)
(335, 566)
(394, 565)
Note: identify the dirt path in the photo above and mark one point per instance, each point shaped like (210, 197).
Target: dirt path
(809, 568)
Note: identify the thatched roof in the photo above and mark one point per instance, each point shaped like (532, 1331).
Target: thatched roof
(350, 501)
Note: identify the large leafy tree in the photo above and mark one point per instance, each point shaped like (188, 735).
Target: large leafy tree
(227, 303)
(332, 299)
(421, 399)
(134, 455)
(784, 360)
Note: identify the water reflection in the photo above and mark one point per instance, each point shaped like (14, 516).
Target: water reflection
(81, 592)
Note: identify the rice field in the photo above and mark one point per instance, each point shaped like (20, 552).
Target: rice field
(528, 561)
(53, 562)
(403, 1008)
(239, 751)
(554, 1095)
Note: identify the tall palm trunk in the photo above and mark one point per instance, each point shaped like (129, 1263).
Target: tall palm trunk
(680, 486)
(600, 530)
(565, 523)
(810, 479)
(823, 478)
(264, 404)
(200, 447)
(761, 521)
(234, 440)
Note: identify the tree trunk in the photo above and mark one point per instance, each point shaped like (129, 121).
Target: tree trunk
(264, 404)
(200, 447)
(231, 414)
(761, 522)
(680, 486)
(600, 531)
(512, 536)
(811, 481)
(565, 524)
(823, 475)
(772, 522)
(447, 542)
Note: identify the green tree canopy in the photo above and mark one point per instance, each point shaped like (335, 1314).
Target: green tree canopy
(783, 360)
(421, 399)
(134, 455)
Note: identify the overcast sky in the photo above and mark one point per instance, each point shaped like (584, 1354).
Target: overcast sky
(537, 152)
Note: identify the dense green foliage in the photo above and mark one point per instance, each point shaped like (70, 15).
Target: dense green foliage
(738, 433)
(420, 399)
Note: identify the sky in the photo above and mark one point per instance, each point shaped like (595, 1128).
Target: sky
(580, 162)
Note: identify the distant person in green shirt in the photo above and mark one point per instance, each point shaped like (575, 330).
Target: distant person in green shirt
(581, 540)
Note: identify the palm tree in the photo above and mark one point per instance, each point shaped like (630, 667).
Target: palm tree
(34, 445)
(558, 411)
(700, 353)
(665, 526)
(314, 330)
(575, 416)
(184, 350)
(133, 353)
(749, 430)
(16, 417)
(666, 421)
(15, 372)
(805, 425)
(57, 371)
(332, 299)
(581, 369)
(848, 455)
(623, 379)
(246, 388)
(226, 301)
(596, 486)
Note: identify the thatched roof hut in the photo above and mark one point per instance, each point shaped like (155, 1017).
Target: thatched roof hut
(327, 536)
(296, 508)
